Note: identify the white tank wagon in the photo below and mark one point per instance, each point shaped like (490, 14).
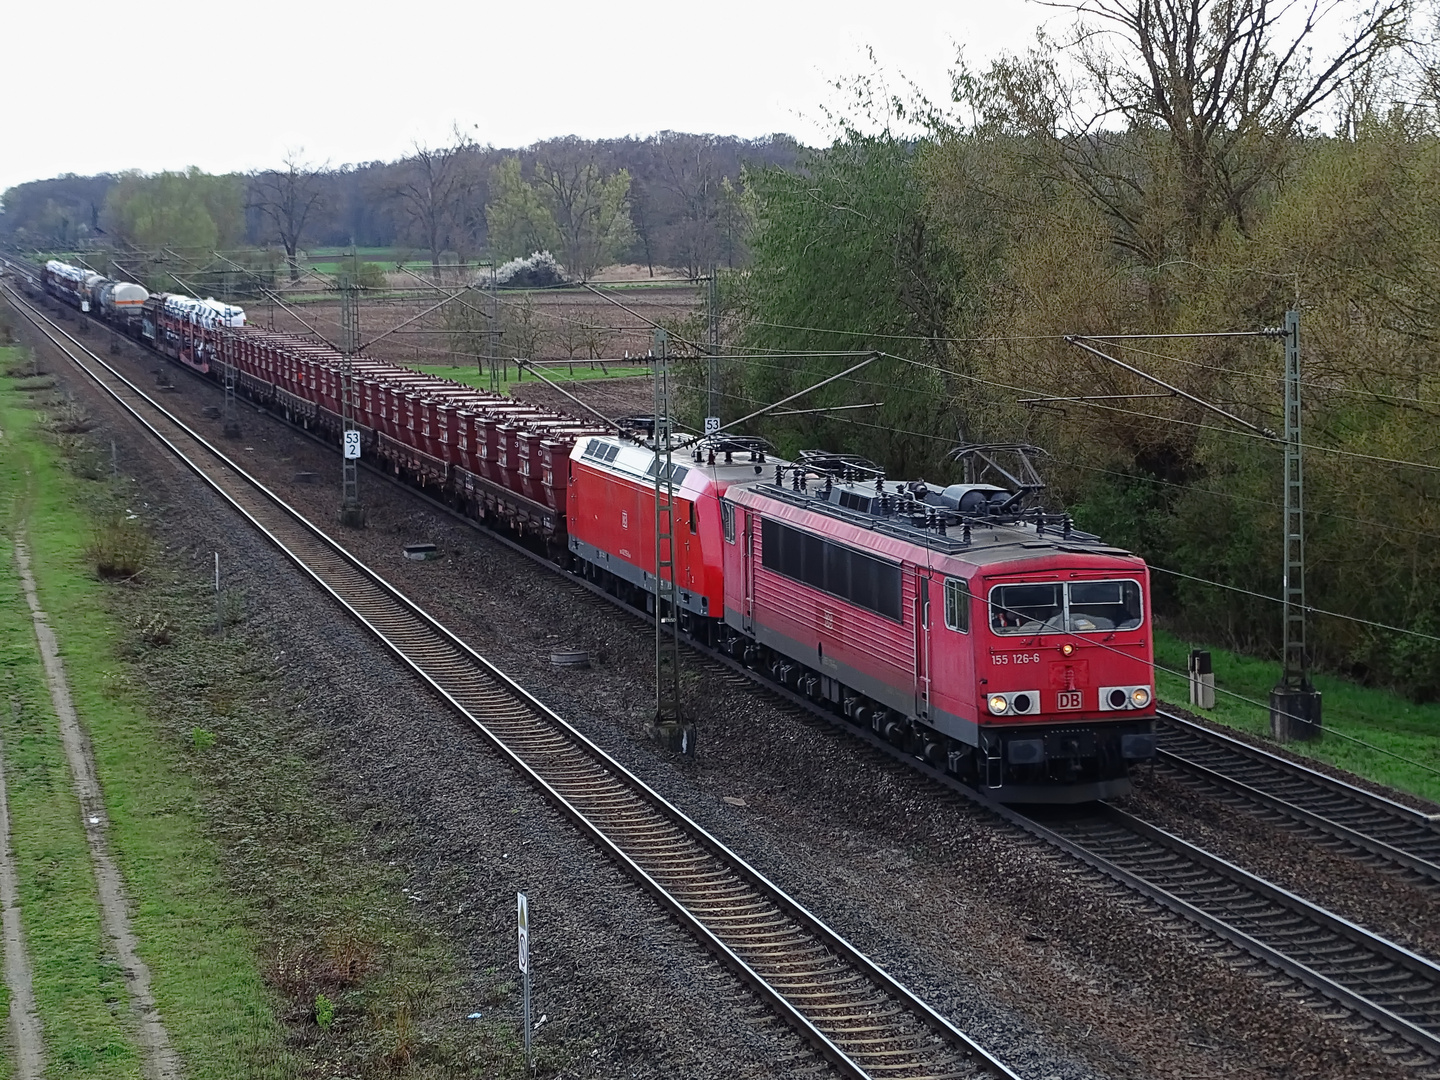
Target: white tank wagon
(120, 299)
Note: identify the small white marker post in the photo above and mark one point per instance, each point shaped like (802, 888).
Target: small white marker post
(522, 920)
(219, 620)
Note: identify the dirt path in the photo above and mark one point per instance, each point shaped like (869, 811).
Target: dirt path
(26, 1040)
(161, 1061)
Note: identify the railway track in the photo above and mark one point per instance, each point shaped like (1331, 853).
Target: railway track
(1339, 815)
(1376, 982)
(1390, 986)
(851, 1012)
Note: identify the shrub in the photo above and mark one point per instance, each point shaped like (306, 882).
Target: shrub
(534, 272)
(324, 1012)
(120, 547)
(367, 275)
(155, 631)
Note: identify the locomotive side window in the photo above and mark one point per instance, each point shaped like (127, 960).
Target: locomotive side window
(1027, 609)
(851, 575)
(727, 520)
(957, 604)
(1077, 607)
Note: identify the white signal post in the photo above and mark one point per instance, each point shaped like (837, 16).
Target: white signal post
(522, 925)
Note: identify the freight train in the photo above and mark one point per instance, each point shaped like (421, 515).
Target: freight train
(963, 624)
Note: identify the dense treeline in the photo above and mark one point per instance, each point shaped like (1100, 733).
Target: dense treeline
(1167, 168)
(671, 200)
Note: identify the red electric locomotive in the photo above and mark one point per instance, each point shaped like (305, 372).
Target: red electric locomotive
(993, 640)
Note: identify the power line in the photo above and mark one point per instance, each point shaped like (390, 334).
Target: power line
(1308, 609)
(1157, 667)
(1312, 383)
(1237, 497)
(895, 337)
(1188, 423)
(1151, 565)
(1386, 526)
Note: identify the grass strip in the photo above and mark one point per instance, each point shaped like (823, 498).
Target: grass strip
(79, 988)
(206, 977)
(253, 893)
(1381, 718)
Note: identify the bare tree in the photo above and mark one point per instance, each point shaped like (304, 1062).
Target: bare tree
(287, 198)
(467, 328)
(589, 208)
(690, 171)
(520, 326)
(1184, 109)
(434, 191)
(643, 218)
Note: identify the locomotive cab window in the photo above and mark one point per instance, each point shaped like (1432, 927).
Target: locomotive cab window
(957, 605)
(1027, 609)
(1104, 605)
(1078, 607)
(727, 520)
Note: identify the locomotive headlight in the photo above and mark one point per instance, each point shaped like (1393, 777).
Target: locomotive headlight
(1140, 696)
(998, 705)
(1066, 649)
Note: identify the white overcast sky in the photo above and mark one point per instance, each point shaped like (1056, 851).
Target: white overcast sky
(103, 87)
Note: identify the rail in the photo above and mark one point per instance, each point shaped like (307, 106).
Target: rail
(1269, 783)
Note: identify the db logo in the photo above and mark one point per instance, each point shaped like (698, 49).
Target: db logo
(1068, 699)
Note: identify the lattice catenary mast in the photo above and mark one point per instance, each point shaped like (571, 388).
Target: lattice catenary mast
(351, 512)
(1294, 703)
(670, 726)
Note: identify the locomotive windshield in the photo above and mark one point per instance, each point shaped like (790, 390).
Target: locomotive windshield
(1055, 607)
(1027, 609)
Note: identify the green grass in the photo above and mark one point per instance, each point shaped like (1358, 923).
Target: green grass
(1403, 738)
(560, 373)
(79, 989)
(205, 974)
